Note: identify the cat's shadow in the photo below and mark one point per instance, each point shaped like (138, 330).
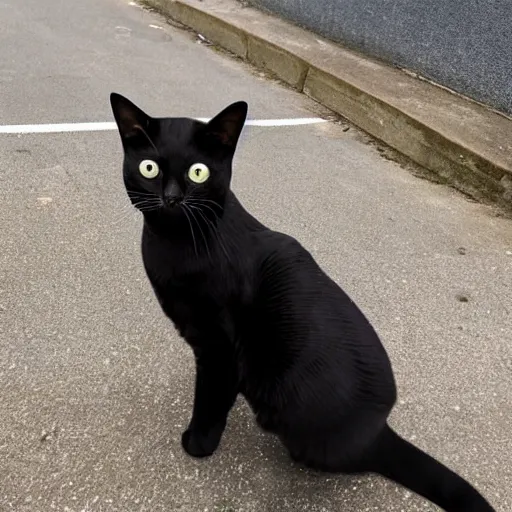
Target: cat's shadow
(280, 483)
(250, 471)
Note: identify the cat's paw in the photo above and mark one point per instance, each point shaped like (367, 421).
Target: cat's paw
(198, 444)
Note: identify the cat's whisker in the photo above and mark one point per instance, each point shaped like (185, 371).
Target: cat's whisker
(200, 230)
(137, 193)
(126, 215)
(149, 199)
(141, 207)
(136, 204)
(149, 208)
(131, 209)
(147, 203)
(126, 206)
(134, 198)
(204, 200)
(206, 206)
(215, 230)
(191, 228)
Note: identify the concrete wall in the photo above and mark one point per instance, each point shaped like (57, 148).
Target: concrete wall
(465, 45)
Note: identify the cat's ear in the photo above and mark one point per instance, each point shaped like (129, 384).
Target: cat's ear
(131, 121)
(227, 126)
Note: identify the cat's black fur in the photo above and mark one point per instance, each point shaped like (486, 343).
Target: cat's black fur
(262, 318)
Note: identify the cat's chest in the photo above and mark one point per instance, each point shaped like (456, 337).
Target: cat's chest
(197, 311)
(198, 294)
(196, 300)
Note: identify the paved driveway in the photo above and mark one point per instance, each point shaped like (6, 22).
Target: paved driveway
(95, 385)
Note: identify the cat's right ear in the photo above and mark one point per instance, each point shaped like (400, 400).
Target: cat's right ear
(132, 122)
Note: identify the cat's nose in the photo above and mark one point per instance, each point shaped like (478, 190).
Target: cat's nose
(172, 194)
(172, 200)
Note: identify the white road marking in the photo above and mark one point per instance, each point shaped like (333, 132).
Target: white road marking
(107, 126)
(57, 128)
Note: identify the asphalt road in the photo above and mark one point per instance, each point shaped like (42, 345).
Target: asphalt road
(95, 385)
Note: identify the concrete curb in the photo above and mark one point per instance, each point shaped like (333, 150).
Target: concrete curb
(465, 143)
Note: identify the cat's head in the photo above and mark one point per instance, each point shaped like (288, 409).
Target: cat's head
(171, 164)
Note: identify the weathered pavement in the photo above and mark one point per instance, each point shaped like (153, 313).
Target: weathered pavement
(95, 385)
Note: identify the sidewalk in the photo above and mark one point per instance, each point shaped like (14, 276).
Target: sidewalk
(467, 145)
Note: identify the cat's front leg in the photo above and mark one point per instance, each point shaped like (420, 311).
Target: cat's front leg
(216, 390)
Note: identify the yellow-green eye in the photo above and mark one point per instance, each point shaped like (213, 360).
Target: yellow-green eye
(149, 169)
(198, 173)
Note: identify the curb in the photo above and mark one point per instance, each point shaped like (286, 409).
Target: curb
(468, 145)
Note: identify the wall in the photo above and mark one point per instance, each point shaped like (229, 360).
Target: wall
(465, 45)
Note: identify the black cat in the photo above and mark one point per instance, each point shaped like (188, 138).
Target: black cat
(261, 316)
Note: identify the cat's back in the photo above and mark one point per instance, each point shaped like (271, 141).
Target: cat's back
(299, 304)
(305, 336)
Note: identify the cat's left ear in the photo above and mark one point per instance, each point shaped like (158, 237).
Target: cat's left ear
(227, 126)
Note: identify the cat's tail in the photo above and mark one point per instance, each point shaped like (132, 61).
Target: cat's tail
(397, 459)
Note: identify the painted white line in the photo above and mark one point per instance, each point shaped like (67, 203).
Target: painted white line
(57, 128)
(286, 122)
(107, 126)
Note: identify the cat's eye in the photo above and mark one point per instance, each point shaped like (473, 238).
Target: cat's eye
(198, 173)
(149, 169)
